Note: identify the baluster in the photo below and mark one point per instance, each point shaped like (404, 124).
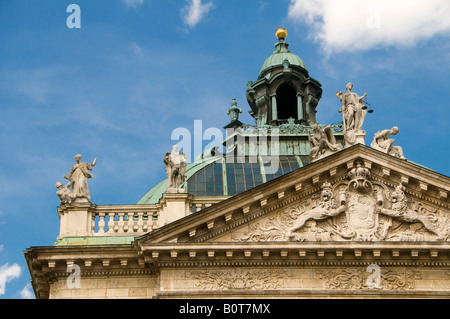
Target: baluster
(93, 223)
(137, 219)
(145, 222)
(121, 223)
(126, 222)
(111, 222)
(139, 223)
(101, 223)
(154, 220)
(131, 222)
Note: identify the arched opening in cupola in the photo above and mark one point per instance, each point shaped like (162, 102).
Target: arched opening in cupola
(286, 102)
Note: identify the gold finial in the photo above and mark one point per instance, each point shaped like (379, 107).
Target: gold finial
(281, 33)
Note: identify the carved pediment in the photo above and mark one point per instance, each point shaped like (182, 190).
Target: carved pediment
(355, 195)
(355, 209)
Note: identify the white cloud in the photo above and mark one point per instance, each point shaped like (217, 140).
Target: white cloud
(8, 273)
(26, 292)
(133, 3)
(354, 25)
(195, 11)
(136, 48)
(262, 6)
(37, 84)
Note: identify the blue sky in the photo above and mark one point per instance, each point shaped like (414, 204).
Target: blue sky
(136, 70)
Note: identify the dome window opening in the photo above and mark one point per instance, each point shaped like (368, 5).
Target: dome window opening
(287, 102)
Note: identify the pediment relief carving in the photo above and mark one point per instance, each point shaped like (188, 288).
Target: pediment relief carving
(357, 208)
(334, 199)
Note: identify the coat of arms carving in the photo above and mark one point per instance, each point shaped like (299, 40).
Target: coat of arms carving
(355, 209)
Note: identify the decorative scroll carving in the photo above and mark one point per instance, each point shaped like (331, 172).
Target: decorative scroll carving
(356, 210)
(275, 228)
(356, 278)
(286, 128)
(237, 279)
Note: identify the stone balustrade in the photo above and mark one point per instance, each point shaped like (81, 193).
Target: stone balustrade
(138, 221)
(83, 219)
(86, 219)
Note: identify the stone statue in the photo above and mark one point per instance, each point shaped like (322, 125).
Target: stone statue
(78, 176)
(353, 113)
(64, 193)
(324, 209)
(322, 143)
(383, 143)
(175, 169)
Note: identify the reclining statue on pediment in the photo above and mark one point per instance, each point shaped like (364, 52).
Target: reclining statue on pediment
(322, 143)
(382, 142)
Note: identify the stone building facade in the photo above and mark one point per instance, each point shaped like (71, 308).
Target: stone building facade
(310, 213)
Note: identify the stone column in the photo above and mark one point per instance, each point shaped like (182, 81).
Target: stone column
(299, 106)
(274, 107)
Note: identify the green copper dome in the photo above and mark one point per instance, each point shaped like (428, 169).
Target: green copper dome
(279, 56)
(214, 177)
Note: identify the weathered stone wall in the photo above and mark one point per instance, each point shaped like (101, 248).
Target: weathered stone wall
(100, 287)
(304, 282)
